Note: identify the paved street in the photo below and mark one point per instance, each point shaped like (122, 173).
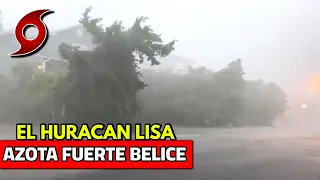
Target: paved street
(221, 154)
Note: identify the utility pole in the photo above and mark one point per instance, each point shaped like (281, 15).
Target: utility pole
(53, 118)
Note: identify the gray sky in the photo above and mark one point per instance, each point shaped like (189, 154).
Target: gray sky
(277, 39)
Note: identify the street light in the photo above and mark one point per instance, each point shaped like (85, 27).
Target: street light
(304, 106)
(43, 68)
(45, 59)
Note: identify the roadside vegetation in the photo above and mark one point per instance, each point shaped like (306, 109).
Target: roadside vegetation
(106, 85)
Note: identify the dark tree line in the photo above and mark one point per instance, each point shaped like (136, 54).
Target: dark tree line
(205, 98)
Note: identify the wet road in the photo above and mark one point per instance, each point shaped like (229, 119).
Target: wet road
(220, 154)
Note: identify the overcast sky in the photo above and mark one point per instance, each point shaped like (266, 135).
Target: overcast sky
(277, 39)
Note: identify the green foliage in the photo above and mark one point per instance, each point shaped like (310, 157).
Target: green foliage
(5, 85)
(103, 83)
(30, 96)
(264, 102)
(205, 98)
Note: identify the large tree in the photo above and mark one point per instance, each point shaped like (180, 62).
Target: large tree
(229, 84)
(205, 98)
(196, 98)
(103, 83)
(263, 103)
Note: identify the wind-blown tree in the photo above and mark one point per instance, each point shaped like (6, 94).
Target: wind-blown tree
(17, 101)
(5, 86)
(28, 95)
(197, 98)
(102, 84)
(229, 85)
(205, 98)
(263, 102)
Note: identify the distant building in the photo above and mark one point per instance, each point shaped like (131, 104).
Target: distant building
(77, 36)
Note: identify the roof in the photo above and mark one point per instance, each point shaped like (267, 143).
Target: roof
(65, 29)
(10, 34)
(12, 30)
